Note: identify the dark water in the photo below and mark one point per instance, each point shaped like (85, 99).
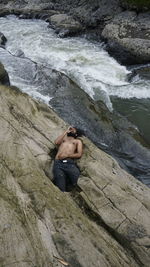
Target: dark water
(137, 111)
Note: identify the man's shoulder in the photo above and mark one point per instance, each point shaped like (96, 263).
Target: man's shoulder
(79, 141)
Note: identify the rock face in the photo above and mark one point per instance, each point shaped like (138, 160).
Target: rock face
(128, 37)
(87, 12)
(65, 25)
(91, 13)
(127, 33)
(104, 222)
(108, 131)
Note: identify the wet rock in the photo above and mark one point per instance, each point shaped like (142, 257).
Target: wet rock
(109, 132)
(126, 33)
(143, 71)
(4, 78)
(33, 12)
(19, 53)
(128, 37)
(87, 12)
(90, 13)
(64, 33)
(109, 212)
(3, 39)
(65, 25)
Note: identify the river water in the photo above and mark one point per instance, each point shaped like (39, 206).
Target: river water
(86, 63)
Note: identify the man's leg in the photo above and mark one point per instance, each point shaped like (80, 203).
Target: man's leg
(59, 177)
(73, 173)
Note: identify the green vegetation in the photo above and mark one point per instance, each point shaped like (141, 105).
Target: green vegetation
(139, 4)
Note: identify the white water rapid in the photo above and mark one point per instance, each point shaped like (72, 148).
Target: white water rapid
(86, 63)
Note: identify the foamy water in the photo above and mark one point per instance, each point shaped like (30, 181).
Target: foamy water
(86, 63)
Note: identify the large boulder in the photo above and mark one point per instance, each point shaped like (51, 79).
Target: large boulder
(87, 12)
(65, 25)
(94, 13)
(128, 37)
(105, 222)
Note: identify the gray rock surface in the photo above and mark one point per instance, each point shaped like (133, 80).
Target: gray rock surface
(108, 131)
(87, 12)
(105, 222)
(131, 34)
(65, 25)
(127, 34)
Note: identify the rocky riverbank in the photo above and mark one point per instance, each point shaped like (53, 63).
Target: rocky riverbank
(127, 33)
(128, 36)
(109, 131)
(104, 222)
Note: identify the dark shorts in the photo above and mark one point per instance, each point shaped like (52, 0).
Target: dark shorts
(66, 174)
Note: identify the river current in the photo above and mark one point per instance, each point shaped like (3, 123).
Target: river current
(85, 62)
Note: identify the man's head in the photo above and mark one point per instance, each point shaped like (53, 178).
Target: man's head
(75, 132)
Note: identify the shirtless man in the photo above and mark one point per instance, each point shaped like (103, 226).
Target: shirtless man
(65, 170)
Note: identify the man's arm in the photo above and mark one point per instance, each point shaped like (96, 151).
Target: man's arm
(79, 151)
(60, 138)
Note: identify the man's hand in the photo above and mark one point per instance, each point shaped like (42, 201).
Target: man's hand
(59, 139)
(70, 128)
(63, 155)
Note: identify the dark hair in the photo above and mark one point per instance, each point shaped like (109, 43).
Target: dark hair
(79, 132)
